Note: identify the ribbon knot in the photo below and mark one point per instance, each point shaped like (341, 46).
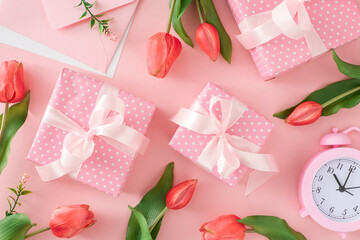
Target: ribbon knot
(78, 144)
(224, 150)
(263, 27)
(222, 135)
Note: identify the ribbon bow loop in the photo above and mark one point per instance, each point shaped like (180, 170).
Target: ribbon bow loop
(263, 27)
(79, 144)
(224, 150)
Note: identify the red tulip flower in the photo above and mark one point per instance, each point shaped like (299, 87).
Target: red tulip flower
(305, 113)
(208, 39)
(12, 88)
(69, 221)
(162, 51)
(180, 195)
(223, 228)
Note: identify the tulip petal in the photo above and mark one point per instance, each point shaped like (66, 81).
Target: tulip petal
(69, 221)
(223, 227)
(208, 39)
(19, 85)
(12, 88)
(162, 51)
(306, 113)
(180, 195)
(156, 53)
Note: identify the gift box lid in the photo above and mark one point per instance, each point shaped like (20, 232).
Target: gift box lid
(336, 22)
(75, 95)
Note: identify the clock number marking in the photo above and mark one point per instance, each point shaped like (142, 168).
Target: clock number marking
(331, 210)
(321, 177)
(331, 170)
(344, 212)
(355, 208)
(352, 168)
(322, 200)
(340, 166)
(318, 189)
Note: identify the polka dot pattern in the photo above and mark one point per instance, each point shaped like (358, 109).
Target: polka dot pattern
(336, 21)
(252, 126)
(75, 95)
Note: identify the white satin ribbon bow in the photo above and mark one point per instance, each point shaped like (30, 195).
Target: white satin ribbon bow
(79, 145)
(263, 27)
(226, 151)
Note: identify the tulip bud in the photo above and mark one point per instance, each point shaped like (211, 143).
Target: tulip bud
(162, 51)
(208, 39)
(68, 221)
(12, 88)
(180, 195)
(25, 178)
(223, 227)
(306, 113)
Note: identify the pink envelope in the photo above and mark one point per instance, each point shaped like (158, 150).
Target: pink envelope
(77, 41)
(62, 13)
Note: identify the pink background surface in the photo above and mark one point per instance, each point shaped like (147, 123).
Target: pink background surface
(292, 146)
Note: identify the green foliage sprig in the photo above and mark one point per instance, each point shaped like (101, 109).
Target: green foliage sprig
(19, 191)
(103, 24)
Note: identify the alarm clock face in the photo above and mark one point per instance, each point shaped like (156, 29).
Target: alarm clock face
(336, 189)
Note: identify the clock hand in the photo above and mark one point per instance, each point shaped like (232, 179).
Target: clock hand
(351, 187)
(349, 193)
(337, 180)
(347, 178)
(344, 190)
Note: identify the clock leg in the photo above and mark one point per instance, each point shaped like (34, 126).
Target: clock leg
(342, 235)
(303, 213)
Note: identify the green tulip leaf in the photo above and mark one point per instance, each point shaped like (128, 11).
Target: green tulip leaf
(342, 94)
(177, 23)
(212, 17)
(14, 227)
(144, 229)
(184, 5)
(271, 227)
(348, 69)
(151, 206)
(15, 119)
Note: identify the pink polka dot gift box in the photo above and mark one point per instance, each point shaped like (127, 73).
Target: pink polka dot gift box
(284, 34)
(224, 136)
(92, 132)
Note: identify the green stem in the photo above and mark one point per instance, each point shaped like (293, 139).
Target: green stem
(15, 203)
(170, 16)
(199, 11)
(37, 232)
(324, 105)
(93, 16)
(249, 230)
(6, 109)
(157, 219)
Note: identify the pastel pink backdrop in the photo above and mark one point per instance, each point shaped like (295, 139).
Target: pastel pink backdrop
(292, 146)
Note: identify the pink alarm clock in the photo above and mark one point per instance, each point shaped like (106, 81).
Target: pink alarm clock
(329, 185)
